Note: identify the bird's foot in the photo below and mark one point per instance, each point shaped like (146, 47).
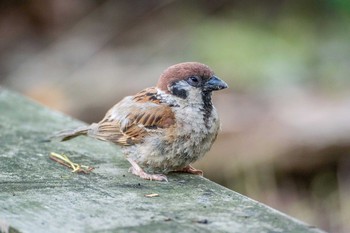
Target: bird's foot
(137, 170)
(147, 176)
(191, 170)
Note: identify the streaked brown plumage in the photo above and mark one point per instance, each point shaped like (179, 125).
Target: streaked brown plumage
(163, 128)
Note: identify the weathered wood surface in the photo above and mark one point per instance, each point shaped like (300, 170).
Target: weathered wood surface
(39, 195)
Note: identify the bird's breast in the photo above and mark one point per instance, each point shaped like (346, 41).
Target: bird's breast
(194, 135)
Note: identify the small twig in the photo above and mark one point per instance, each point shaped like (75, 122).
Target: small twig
(152, 195)
(64, 160)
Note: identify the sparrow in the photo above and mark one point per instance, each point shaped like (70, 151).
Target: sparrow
(164, 128)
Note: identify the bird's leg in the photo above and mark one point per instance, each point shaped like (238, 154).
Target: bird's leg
(137, 170)
(191, 170)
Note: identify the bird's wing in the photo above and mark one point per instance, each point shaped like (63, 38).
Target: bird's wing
(129, 121)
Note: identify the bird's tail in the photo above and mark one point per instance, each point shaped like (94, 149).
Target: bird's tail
(69, 134)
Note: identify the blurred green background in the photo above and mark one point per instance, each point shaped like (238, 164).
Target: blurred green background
(285, 137)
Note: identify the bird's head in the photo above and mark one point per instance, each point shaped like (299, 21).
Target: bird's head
(190, 80)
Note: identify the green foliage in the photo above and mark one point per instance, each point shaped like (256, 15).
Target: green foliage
(288, 51)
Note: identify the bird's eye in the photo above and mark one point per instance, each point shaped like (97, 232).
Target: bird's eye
(194, 81)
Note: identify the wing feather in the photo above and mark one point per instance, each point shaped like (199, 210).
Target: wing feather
(129, 123)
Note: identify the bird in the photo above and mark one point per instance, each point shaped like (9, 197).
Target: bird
(164, 128)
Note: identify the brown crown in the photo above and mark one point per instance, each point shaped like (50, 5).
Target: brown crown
(182, 71)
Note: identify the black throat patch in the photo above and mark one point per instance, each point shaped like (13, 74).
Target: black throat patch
(207, 107)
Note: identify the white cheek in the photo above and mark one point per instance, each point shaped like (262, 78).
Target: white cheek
(195, 96)
(183, 85)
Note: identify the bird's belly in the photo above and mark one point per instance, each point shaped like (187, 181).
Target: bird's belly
(161, 156)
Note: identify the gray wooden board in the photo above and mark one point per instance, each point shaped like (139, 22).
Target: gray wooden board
(40, 195)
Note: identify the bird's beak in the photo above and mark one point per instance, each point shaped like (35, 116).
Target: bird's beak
(214, 84)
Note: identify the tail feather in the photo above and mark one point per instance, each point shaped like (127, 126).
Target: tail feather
(69, 134)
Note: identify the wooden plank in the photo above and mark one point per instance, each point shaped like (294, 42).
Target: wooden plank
(39, 195)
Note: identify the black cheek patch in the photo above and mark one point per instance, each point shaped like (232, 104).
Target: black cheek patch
(179, 92)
